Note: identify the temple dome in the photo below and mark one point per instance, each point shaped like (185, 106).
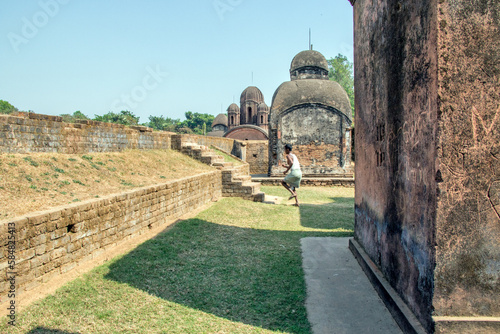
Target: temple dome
(220, 119)
(252, 93)
(309, 58)
(233, 108)
(302, 92)
(263, 107)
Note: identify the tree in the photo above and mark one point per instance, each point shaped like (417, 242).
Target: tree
(7, 108)
(125, 117)
(341, 71)
(162, 123)
(71, 118)
(195, 121)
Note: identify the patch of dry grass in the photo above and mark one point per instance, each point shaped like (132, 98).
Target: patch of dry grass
(34, 182)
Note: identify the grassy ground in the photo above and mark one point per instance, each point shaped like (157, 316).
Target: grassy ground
(227, 157)
(36, 182)
(234, 268)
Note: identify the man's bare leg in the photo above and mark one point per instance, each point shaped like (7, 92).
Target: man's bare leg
(284, 184)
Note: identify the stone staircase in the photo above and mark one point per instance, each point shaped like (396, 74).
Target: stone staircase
(236, 180)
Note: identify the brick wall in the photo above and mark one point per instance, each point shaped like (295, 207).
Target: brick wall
(257, 156)
(396, 102)
(319, 136)
(53, 242)
(29, 132)
(427, 155)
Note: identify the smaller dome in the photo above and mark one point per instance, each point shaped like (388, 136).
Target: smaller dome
(263, 107)
(220, 119)
(233, 108)
(252, 93)
(309, 58)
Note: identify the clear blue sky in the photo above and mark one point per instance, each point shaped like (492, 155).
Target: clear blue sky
(157, 57)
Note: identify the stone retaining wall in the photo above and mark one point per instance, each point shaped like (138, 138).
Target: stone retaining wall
(53, 242)
(318, 182)
(30, 132)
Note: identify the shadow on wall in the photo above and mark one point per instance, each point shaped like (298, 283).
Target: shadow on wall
(338, 214)
(43, 330)
(251, 276)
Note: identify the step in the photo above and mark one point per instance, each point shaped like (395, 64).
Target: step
(242, 178)
(208, 159)
(217, 158)
(259, 197)
(223, 164)
(251, 187)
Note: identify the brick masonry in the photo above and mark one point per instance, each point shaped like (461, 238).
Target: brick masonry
(257, 155)
(247, 132)
(236, 180)
(30, 133)
(427, 197)
(320, 138)
(54, 242)
(313, 182)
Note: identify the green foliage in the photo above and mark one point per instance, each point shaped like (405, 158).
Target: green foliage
(342, 71)
(194, 123)
(31, 161)
(162, 123)
(68, 118)
(78, 182)
(6, 107)
(125, 117)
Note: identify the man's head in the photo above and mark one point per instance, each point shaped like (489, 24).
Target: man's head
(288, 148)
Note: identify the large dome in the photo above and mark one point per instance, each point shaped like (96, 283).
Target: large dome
(319, 92)
(252, 93)
(309, 58)
(220, 119)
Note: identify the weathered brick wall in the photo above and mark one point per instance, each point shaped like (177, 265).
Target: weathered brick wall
(427, 155)
(467, 275)
(257, 156)
(312, 182)
(31, 132)
(320, 138)
(53, 242)
(396, 123)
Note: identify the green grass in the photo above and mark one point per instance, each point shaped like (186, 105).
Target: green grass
(234, 268)
(31, 161)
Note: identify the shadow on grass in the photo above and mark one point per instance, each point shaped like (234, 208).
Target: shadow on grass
(43, 330)
(245, 275)
(338, 214)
